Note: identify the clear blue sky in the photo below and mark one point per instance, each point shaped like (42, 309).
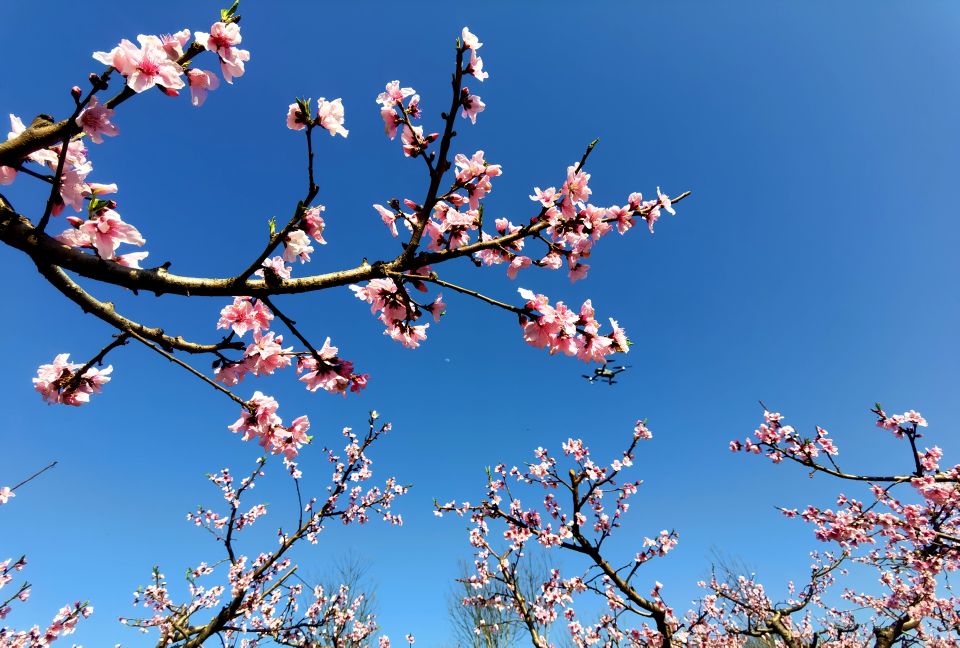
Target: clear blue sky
(814, 268)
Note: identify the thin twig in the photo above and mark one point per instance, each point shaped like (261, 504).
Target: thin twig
(35, 475)
(186, 366)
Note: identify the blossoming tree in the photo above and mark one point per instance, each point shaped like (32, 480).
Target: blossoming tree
(78, 240)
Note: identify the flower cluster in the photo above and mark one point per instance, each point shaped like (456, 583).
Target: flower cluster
(910, 539)
(329, 116)
(74, 189)
(398, 311)
(321, 368)
(103, 231)
(63, 624)
(258, 591)
(573, 225)
(59, 382)
(560, 329)
(597, 503)
(259, 421)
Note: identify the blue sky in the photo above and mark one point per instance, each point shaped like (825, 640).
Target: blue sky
(812, 268)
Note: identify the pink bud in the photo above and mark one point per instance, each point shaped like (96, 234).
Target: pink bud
(75, 92)
(170, 92)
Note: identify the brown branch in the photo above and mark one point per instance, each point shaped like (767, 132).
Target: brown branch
(34, 475)
(432, 278)
(44, 133)
(294, 221)
(816, 467)
(106, 312)
(18, 232)
(77, 376)
(437, 173)
(177, 361)
(292, 327)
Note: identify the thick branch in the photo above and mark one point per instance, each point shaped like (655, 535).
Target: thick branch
(106, 312)
(18, 232)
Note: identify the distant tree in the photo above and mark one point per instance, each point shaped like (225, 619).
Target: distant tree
(489, 626)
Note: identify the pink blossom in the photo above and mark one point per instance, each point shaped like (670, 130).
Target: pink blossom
(330, 116)
(619, 337)
(436, 308)
(407, 335)
(235, 67)
(413, 107)
(665, 202)
(545, 197)
(576, 185)
(7, 174)
(277, 265)
(391, 121)
(52, 379)
(412, 140)
(201, 82)
(131, 259)
(553, 261)
(517, 264)
(313, 223)
(472, 105)
(329, 372)
(242, 316)
(394, 95)
(74, 237)
(266, 354)
(107, 231)
(469, 40)
(144, 66)
(95, 121)
(930, 458)
(476, 67)
(231, 373)
(6, 494)
(173, 44)
(99, 189)
(73, 187)
(912, 416)
(296, 120)
(223, 39)
(389, 218)
(622, 217)
(578, 271)
(297, 245)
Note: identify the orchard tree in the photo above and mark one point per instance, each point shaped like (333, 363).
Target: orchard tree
(79, 241)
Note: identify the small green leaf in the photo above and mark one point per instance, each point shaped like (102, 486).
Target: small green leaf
(96, 204)
(304, 106)
(273, 226)
(226, 14)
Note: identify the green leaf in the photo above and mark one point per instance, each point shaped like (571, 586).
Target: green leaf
(273, 226)
(96, 204)
(226, 14)
(304, 106)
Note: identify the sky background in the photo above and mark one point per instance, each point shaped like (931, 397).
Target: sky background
(814, 268)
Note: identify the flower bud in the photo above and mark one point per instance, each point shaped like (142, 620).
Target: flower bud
(75, 92)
